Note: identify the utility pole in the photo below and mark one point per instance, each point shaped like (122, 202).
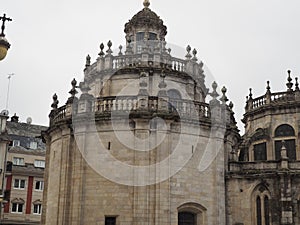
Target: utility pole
(7, 95)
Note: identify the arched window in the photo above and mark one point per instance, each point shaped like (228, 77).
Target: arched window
(267, 212)
(191, 214)
(285, 133)
(260, 198)
(258, 211)
(186, 218)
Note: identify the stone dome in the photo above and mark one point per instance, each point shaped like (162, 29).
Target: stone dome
(146, 18)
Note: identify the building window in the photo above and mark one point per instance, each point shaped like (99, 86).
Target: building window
(39, 163)
(140, 36)
(33, 145)
(260, 151)
(39, 185)
(110, 220)
(261, 205)
(186, 218)
(17, 208)
(191, 214)
(16, 143)
(152, 36)
(37, 209)
(267, 213)
(290, 149)
(19, 184)
(258, 211)
(285, 133)
(18, 161)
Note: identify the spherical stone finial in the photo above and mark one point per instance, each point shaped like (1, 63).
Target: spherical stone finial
(195, 55)
(73, 91)
(54, 105)
(289, 84)
(230, 105)
(214, 85)
(109, 44)
(195, 52)
(146, 3)
(87, 61)
(250, 93)
(224, 90)
(224, 98)
(101, 46)
(101, 54)
(169, 51)
(188, 48)
(297, 84)
(120, 52)
(188, 55)
(214, 93)
(268, 87)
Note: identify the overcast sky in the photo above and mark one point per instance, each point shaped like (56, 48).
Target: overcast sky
(244, 43)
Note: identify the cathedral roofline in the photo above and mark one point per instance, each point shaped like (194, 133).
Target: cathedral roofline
(271, 101)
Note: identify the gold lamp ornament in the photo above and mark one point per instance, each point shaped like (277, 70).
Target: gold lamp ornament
(4, 44)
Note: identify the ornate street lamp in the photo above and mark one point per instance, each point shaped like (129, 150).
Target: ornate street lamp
(4, 44)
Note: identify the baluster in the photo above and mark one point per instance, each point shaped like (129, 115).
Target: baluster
(114, 106)
(134, 104)
(124, 104)
(129, 104)
(120, 105)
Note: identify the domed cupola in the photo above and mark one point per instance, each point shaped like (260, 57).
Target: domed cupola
(146, 25)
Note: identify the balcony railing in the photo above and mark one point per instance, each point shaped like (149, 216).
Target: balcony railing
(105, 105)
(261, 167)
(272, 98)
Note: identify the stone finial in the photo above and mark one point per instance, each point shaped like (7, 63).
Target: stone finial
(289, 84)
(87, 61)
(54, 105)
(146, 3)
(214, 93)
(73, 91)
(268, 87)
(195, 55)
(109, 44)
(230, 105)
(224, 98)
(297, 84)
(250, 94)
(169, 51)
(188, 55)
(101, 54)
(120, 52)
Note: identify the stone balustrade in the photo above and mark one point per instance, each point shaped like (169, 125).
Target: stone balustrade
(184, 108)
(113, 63)
(272, 98)
(262, 167)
